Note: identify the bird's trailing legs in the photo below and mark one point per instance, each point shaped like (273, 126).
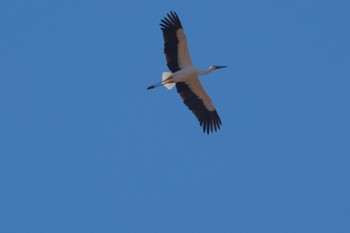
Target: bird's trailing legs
(160, 84)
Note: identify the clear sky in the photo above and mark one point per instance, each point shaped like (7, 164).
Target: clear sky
(84, 147)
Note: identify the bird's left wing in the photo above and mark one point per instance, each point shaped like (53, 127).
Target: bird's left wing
(198, 101)
(175, 43)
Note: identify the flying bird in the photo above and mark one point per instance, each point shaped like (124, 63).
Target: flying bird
(184, 75)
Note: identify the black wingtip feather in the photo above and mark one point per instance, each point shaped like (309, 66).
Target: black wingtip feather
(208, 120)
(169, 26)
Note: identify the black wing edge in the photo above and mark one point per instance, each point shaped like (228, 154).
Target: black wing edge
(169, 26)
(209, 120)
(172, 23)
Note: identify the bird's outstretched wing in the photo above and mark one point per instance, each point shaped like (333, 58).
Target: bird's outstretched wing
(198, 101)
(175, 43)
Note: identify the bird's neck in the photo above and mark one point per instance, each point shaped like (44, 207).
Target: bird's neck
(204, 72)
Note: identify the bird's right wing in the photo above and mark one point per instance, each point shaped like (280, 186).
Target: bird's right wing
(175, 43)
(198, 101)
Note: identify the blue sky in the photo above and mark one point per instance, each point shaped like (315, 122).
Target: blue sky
(85, 148)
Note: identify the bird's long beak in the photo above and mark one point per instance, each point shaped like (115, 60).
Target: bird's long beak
(220, 67)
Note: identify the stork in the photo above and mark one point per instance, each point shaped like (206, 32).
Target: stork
(184, 75)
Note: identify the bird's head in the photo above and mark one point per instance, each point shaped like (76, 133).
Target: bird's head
(214, 67)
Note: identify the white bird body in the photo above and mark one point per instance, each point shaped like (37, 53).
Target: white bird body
(184, 75)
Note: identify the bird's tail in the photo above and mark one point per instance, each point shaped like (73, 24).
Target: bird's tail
(165, 77)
